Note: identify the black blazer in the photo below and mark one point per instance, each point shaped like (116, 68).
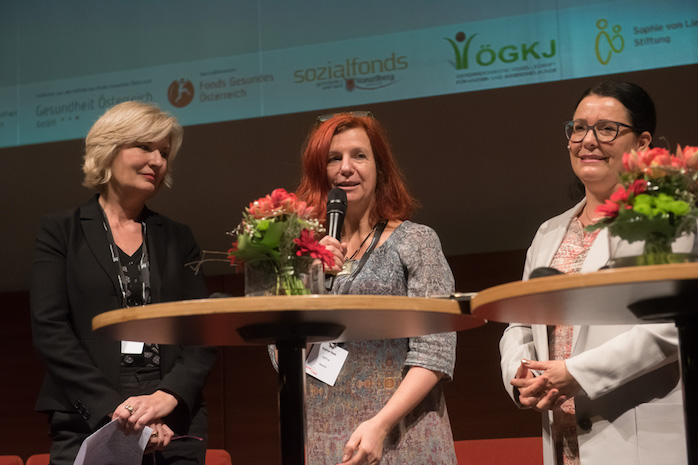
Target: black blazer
(73, 280)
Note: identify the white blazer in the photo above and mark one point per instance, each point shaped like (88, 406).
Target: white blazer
(630, 410)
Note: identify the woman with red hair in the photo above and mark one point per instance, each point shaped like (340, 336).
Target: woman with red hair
(387, 404)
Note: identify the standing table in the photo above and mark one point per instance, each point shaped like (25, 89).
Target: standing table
(290, 322)
(633, 295)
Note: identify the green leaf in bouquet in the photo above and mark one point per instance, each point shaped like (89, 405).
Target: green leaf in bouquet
(633, 227)
(262, 225)
(244, 242)
(687, 223)
(272, 237)
(250, 251)
(260, 252)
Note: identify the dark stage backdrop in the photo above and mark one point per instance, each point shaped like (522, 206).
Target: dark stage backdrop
(488, 167)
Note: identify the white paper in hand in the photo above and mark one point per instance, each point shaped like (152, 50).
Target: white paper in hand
(109, 446)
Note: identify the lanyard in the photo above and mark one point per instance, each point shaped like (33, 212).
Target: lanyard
(376, 236)
(143, 265)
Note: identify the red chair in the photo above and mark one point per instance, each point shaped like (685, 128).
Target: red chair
(11, 460)
(38, 459)
(218, 457)
(521, 451)
(213, 457)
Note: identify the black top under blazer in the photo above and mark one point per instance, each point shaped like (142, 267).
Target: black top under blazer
(73, 280)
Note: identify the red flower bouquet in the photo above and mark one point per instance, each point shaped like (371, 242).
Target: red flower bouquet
(656, 201)
(277, 236)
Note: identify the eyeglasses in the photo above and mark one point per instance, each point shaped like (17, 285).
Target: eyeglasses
(605, 131)
(358, 114)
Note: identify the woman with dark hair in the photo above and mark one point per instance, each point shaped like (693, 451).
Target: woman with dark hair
(603, 391)
(109, 253)
(387, 404)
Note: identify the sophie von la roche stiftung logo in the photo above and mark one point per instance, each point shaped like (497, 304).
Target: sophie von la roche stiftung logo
(488, 55)
(608, 41)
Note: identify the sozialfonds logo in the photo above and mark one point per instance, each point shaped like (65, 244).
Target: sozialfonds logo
(354, 68)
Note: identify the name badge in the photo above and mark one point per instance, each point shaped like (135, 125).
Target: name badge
(132, 347)
(325, 361)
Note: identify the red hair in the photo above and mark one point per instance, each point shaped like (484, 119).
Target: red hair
(393, 200)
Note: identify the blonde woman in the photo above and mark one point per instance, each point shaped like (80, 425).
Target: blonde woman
(110, 253)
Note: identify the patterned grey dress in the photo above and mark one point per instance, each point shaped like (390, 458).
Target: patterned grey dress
(410, 262)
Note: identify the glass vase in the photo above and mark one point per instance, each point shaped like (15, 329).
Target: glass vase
(654, 250)
(294, 276)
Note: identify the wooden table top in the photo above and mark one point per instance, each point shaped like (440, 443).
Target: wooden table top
(597, 298)
(221, 321)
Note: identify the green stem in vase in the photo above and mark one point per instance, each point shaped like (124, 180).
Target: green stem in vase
(289, 281)
(657, 251)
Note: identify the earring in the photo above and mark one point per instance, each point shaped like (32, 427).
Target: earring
(568, 147)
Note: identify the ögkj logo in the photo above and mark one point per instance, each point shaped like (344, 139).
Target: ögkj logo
(180, 93)
(606, 45)
(488, 55)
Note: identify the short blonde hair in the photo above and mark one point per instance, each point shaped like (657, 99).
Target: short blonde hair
(122, 124)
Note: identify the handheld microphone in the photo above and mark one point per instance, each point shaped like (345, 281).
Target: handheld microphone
(336, 209)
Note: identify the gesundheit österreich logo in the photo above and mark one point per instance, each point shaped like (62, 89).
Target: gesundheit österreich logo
(180, 93)
(607, 44)
(488, 55)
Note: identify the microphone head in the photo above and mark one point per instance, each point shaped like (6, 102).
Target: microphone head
(337, 201)
(220, 295)
(543, 272)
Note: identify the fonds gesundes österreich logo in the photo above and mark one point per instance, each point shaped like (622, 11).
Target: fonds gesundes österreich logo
(180, 93)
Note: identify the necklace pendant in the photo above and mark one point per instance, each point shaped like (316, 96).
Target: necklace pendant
(347, 268)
